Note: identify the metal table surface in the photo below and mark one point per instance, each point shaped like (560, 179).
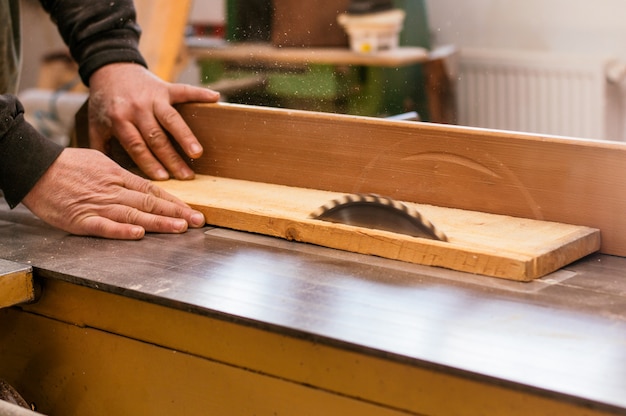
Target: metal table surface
(562, 336)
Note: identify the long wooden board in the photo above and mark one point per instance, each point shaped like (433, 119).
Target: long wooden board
(488, 244)
(163, 25)
(260, 54)
(557, 179)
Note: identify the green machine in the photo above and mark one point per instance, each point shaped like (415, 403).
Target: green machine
(353, 89)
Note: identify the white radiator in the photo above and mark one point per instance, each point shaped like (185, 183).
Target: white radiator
(543, 93)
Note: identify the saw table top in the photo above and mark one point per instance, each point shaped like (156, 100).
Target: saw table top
(562, 336)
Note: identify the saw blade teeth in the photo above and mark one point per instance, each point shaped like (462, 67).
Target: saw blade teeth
(429, 225)
(332, 204)
(329, 209)
(411, 211)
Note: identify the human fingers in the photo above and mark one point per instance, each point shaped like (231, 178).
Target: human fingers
(84, 192)
(171, 120)
(183, 93)
(150, 198)
(126, 223)
(141, 150)
(132, 121)
(153, 128)
(137, 214)
(123, 214)
(98, 226)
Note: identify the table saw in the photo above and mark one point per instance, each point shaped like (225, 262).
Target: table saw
(227, 320)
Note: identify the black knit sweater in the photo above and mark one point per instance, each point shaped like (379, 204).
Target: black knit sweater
(98, 33)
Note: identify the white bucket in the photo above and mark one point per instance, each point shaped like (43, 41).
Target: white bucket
(370, 33)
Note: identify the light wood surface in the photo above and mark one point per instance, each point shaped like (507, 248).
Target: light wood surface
(488, 244)
(163, 28)
(16, 284)
(570, 181)
(260, 53)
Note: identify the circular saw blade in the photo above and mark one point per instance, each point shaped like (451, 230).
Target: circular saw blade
(377, 212)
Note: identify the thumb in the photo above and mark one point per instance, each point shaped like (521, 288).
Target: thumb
(181, 93)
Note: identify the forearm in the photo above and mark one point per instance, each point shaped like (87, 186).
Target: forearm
(97, 32)
(24, 154)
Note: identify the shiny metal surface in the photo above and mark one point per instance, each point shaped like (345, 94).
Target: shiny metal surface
(561, 336)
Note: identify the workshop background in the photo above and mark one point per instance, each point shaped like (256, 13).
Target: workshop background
(547, 67)
(271, 310)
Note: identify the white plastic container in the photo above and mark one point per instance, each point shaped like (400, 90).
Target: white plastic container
(373, 32)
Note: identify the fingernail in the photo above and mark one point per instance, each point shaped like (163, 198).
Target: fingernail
(162, 175)
(180, 226)
(184, 173)
(137, 232)
(197, 220)
(196, 149)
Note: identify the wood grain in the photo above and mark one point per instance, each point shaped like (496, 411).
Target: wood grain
(163, 26)
(564, 180)
(488, 244)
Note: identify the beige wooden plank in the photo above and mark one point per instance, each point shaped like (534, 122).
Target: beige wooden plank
(16, 284)
(557, 179)
(163, 28)
(248, 54)
(493, 245)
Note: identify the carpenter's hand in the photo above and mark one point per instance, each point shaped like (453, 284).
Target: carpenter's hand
(86, 193)
(130, 103)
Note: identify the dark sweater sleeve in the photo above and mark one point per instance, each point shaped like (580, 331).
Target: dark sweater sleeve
(24, 153)
(97, 32)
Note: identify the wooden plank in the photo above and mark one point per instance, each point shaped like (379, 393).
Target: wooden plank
(16, 284)
(565, 180)
(488, 244)
(163, 29)
(256, 54)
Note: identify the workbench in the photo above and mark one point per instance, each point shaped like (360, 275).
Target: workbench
(216, 321)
